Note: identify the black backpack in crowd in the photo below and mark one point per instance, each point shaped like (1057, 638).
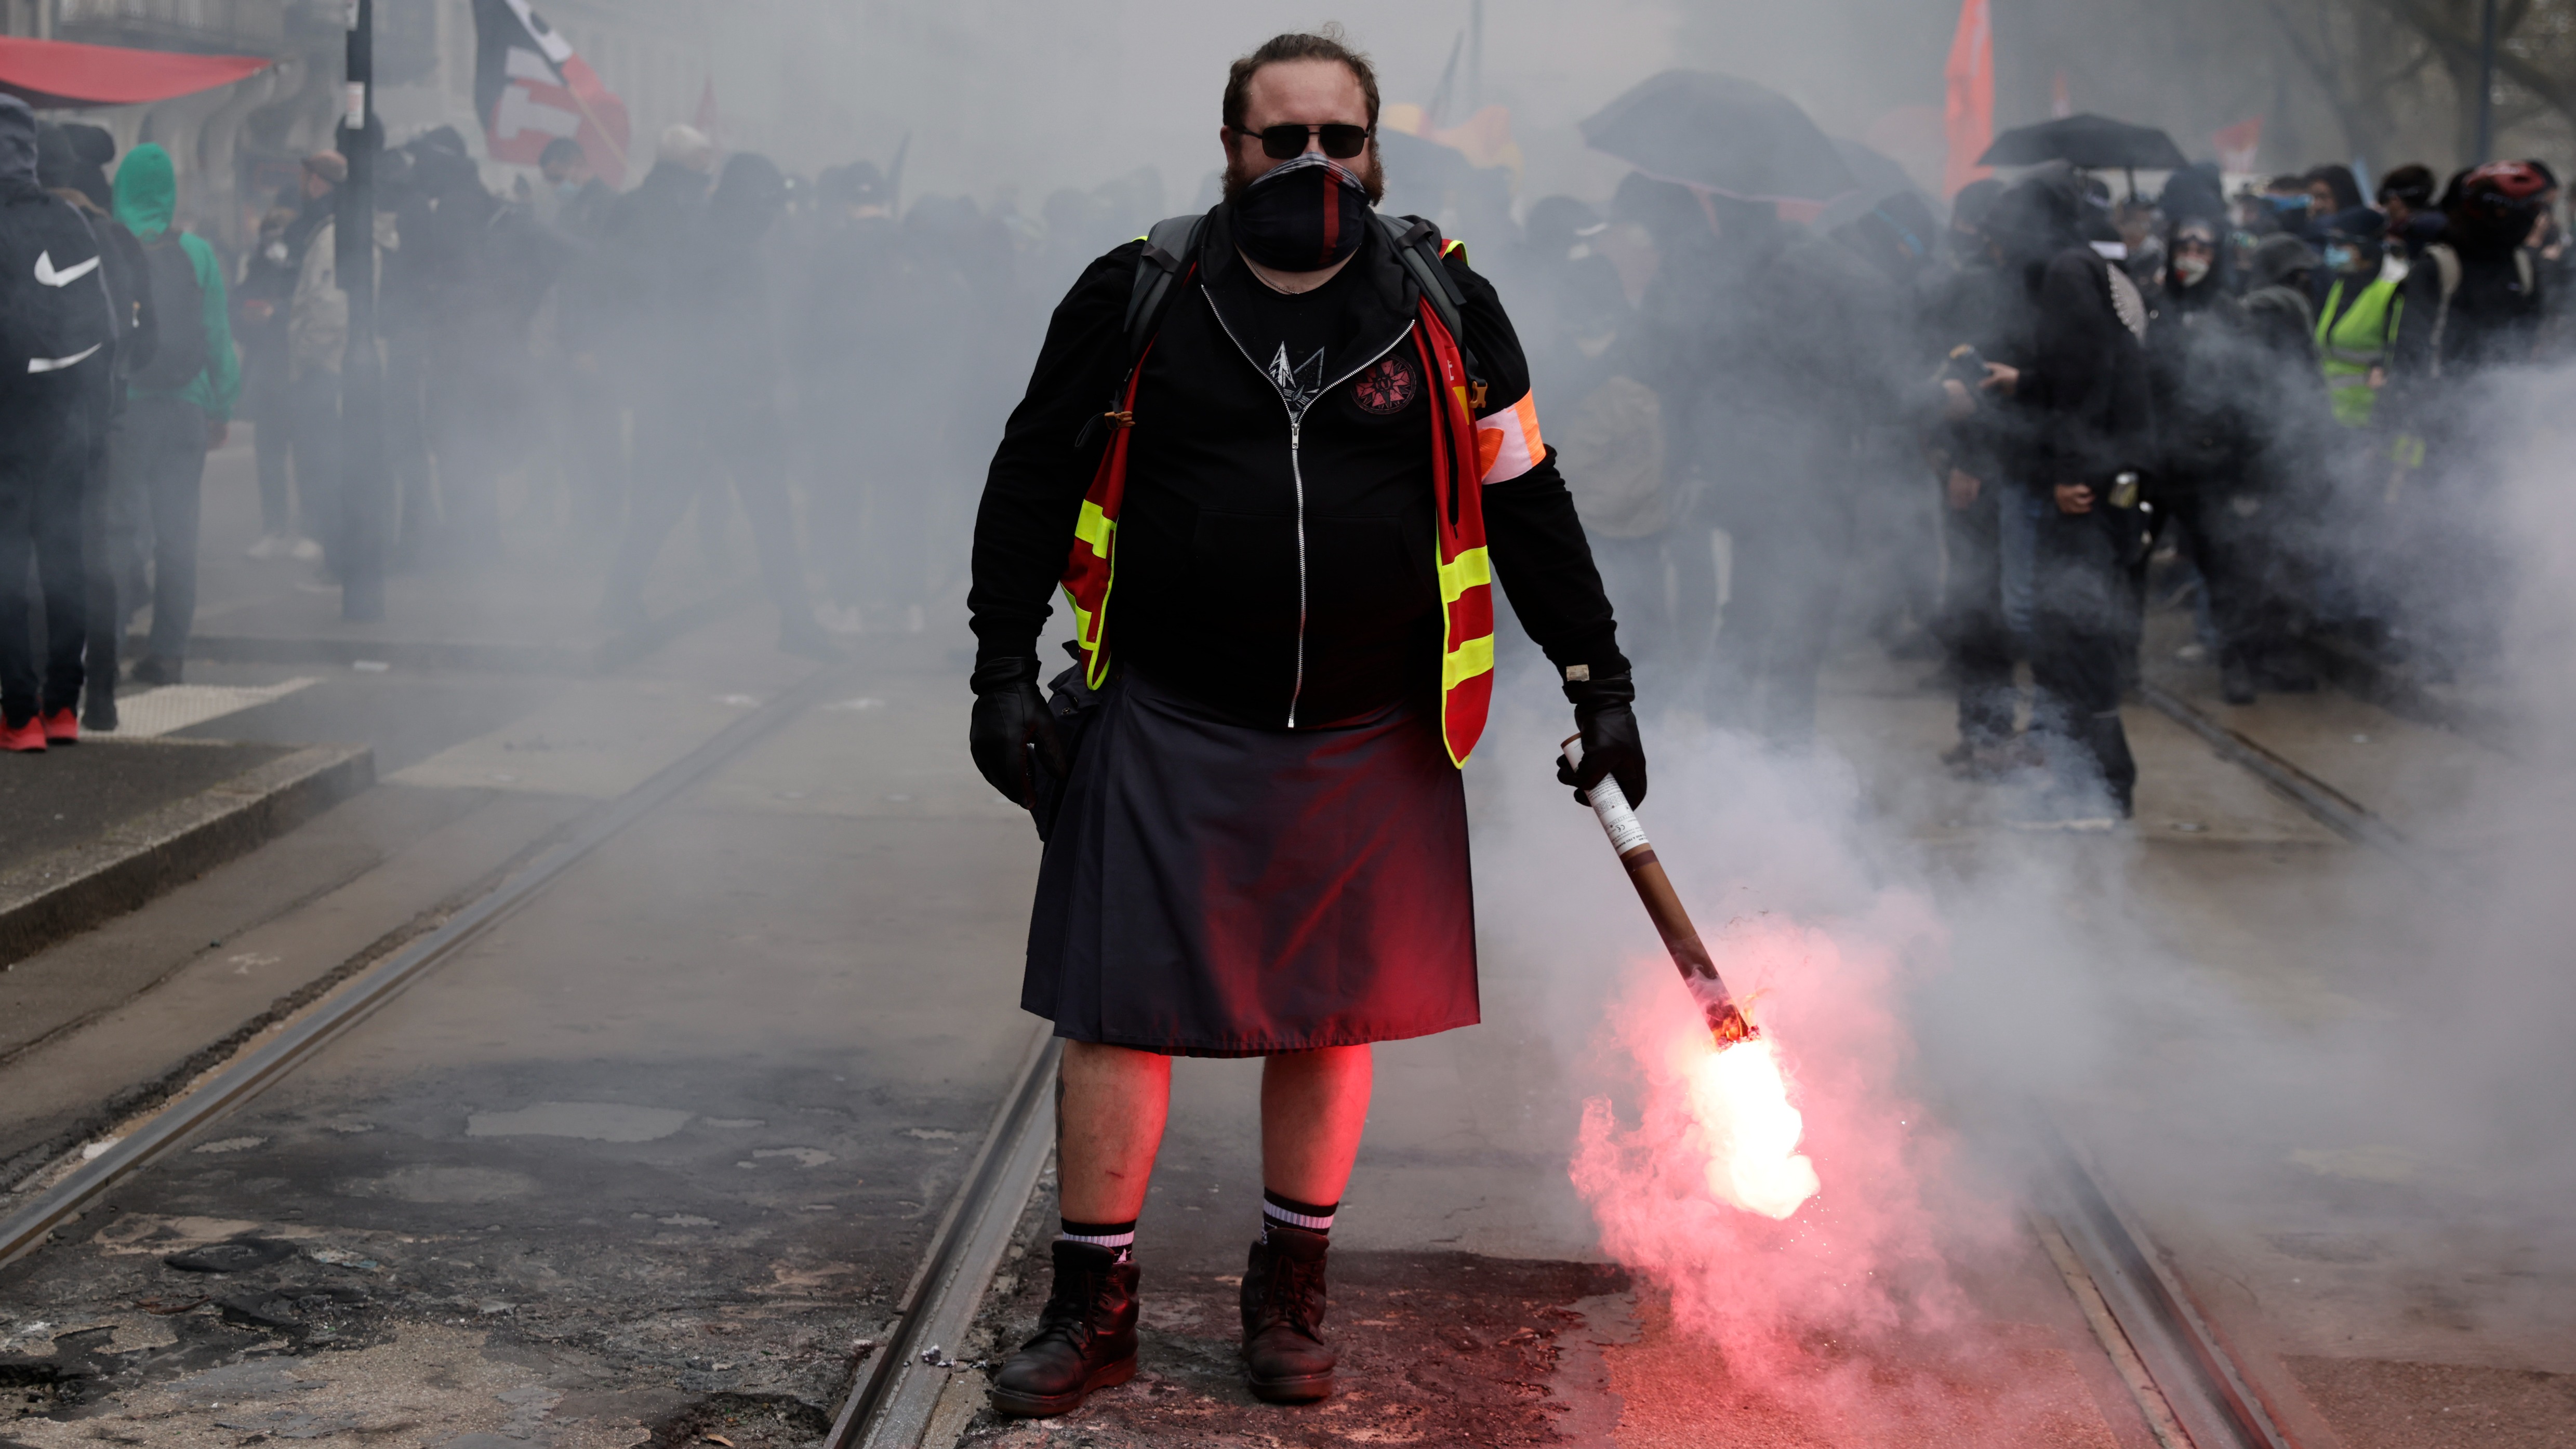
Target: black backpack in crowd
(54, 311)
(179, 352)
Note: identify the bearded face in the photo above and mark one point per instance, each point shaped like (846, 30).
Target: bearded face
(1239, 173)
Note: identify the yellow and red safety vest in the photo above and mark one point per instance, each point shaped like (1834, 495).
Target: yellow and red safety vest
(1504, 446)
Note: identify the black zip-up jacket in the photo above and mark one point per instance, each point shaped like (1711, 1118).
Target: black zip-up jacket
(1277, 567)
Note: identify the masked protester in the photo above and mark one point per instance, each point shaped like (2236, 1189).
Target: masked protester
(58, 335)
(1307, 482)
(2087, 405)
(2357, 319)
(2222, 393)
(1976, 318)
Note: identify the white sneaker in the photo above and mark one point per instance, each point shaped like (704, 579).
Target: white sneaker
(304, 550)
(270, 545)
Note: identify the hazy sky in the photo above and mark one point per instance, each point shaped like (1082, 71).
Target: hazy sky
(1009, 92)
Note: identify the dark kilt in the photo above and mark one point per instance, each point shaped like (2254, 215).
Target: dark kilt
(1214, 889)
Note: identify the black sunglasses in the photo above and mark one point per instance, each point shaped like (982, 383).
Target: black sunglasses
(1282, 143)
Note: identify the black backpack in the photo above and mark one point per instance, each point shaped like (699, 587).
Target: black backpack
(179, 352)
(54, 310)
(1169, 243)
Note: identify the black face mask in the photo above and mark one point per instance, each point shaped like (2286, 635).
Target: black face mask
(1302, 215)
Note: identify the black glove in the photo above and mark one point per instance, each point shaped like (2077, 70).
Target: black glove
(1610, 743)
(1010, 721)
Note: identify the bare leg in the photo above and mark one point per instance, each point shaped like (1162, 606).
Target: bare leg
(1109, 1108)
(1314, 1106)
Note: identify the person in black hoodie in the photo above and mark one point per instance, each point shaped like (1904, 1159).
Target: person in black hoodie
(1261, 849)
(58, 330)
(2206, 371)
(108, 531)
(2085, 401)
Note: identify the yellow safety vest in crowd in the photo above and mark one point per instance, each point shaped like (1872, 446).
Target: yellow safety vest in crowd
(2353, 340)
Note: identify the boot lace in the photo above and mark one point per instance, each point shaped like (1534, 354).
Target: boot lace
(1074, 1310)
(1293, 1294)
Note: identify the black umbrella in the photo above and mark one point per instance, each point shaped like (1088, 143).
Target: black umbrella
(1728, 135)
(2090, 141)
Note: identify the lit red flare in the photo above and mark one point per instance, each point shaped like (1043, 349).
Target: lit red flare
(1727, 1024)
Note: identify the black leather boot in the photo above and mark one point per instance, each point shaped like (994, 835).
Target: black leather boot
(1086, 1337)
(1283, 1317)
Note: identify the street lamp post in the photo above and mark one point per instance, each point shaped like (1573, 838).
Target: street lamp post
(365, 506)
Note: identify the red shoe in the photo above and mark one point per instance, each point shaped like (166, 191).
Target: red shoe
(62, 727)
(24, 739)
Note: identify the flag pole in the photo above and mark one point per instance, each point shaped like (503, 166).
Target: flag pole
(623, 163)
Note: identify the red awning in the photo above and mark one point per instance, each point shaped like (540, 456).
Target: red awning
(65, 73)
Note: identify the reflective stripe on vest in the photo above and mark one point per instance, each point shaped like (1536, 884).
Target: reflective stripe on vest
(1091, 564)
(1465, 455)
(1460, 467)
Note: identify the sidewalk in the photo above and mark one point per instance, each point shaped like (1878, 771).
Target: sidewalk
(97, 829)
(536, 611)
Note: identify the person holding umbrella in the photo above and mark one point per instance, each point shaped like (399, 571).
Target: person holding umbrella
(1775, 353)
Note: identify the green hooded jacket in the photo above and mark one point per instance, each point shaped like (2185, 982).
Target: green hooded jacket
(147, 193)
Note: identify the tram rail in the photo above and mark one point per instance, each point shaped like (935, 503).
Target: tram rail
(71, 1193)
(2186, 1380)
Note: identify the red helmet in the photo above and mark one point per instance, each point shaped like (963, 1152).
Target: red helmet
(2500, 197)
(2514, 180)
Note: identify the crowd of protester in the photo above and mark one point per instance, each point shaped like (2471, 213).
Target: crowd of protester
(567, 372)
(1997, 442)
(1991, 438)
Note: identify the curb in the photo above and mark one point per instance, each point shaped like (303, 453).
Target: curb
(617, 649)
(69, 892)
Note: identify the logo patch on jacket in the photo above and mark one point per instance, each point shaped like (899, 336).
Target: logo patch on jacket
(1387, 385)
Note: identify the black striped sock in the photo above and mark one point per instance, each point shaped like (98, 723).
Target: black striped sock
(1276, 1208)
(1118, 1238)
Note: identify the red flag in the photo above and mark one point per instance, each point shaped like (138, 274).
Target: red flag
(1970, 112)
(2238, 144)
(530, 89)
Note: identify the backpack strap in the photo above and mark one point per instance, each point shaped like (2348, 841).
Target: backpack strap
(2447, 263)
(1168, 245)
(1418, 246)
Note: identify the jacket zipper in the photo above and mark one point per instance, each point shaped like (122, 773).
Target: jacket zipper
(1297, 474)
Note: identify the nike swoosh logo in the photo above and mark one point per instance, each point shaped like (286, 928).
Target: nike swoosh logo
(46, 274)
(57, 364)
